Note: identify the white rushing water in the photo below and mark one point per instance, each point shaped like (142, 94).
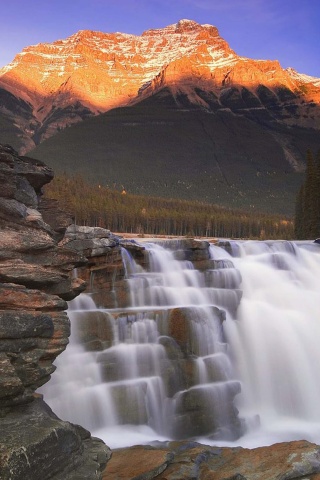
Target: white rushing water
(275, 341)
(270, 344)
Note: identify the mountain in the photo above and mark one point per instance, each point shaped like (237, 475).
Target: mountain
(197, 119)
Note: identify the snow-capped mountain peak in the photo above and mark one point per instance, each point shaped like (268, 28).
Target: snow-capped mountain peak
(100, 71)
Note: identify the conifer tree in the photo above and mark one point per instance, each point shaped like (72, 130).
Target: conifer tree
(307, 211)
(102, 206)
(299, 228)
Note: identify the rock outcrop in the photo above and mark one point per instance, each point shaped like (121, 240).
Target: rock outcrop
(104, 271)
(35, 282)
(192, 461)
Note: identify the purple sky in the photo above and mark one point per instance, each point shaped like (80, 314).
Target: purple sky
(287, 30)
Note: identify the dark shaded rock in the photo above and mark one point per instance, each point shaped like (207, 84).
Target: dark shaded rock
(205, 410)
(36, 279)
(177, 373)
(29, 343)
(25, 325)
(35, 444)
(249, 98)
(58, 219)
(231, 247)
(11, 385)
(232, 98)
(267, 96)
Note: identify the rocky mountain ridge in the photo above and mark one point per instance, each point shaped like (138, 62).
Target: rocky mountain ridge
(50, 86)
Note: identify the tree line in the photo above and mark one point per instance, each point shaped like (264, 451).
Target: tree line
(96, 205)
(307, 211)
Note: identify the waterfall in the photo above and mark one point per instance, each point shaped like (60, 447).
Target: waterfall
(275, 340)
(227, 354)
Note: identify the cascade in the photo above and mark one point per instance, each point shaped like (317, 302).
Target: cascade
(274, 340)
(227, 354)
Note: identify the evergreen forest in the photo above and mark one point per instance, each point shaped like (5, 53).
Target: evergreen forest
(307, 213)
(121, 212)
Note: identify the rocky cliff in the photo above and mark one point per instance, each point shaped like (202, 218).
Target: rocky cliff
(35, 282)
(50, 86)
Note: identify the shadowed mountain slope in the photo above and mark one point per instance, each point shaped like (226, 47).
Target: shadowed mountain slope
(196, 119)
(50, 86)
(166, 146)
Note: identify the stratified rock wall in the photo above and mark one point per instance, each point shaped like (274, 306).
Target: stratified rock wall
(104, 272)
(35, 281)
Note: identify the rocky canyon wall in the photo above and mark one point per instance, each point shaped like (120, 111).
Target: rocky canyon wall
(35, 282)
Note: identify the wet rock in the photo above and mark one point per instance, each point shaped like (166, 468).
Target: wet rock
(223, 278)
(145, 463)
(191, 249)
(205, 410)
(230, 247)
(185, 324)
(134, 395)
(177, 372)
(103, 271)
(137, 251)
(94, 329)
(192, 461)
(213, 264)
(217, 368)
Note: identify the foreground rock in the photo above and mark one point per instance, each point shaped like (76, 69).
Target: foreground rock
(37, 444)
(192, 461)
(35, 282)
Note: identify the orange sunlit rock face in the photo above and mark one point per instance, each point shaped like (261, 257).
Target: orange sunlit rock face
(100, 71)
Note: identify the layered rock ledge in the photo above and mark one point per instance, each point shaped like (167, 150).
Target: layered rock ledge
(193, 461)
(35, 282)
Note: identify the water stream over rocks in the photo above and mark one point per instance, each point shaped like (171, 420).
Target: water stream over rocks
(228, 353)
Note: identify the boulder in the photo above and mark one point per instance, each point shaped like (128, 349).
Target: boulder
(94, 329)
(207, 411)
(35, 444)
